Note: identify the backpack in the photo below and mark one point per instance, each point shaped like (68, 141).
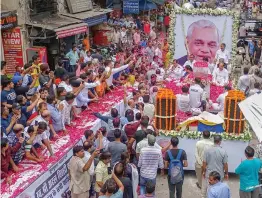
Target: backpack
(175, 170)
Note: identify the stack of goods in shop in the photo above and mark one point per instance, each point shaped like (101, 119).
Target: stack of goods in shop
(233, 117)
(165, 110)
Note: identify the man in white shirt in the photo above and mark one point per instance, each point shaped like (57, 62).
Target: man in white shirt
(219, 106)
(42, 137)
(257, 89)
(65, 83)
(109, 81)
(223, 53)
(158, 51)
(123, 36)
(88, 146)
(190, 62)
(88, 57)
(116, 36)
(183, 101)
(220, 75)
(201, 146)
(69, 103)
(152, 33)
(155, 64)
(196, 94)
(149, 51)
(242, 31)
(45, 116)
(175, 70)
(244, 81)
(149, 109)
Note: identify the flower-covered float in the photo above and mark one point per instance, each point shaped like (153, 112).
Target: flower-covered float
(230, 124)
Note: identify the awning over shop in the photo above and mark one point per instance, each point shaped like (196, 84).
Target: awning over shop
(146, 5)
(8, 19)
(71, 30)
(92, 17)
(61, 25)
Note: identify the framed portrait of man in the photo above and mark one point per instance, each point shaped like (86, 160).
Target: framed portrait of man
(201, 35)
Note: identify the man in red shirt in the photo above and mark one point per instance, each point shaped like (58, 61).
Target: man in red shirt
(166, 22)
(6, 159)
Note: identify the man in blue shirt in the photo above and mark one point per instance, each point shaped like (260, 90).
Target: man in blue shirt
(17, 112)
(7, 122)
(248, 171)
(217, 189)
(8, 94)
(73, 58)
(251, 50)
(55, 114)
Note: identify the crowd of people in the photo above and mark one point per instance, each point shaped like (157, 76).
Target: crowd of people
(122, 159)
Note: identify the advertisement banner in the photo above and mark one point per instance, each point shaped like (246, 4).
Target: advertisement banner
(53, 183)
(12, 46)
(131, 6)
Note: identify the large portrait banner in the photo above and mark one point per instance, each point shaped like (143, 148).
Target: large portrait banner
(200, 32)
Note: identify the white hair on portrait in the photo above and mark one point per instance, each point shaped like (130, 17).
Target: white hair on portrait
(201, 24)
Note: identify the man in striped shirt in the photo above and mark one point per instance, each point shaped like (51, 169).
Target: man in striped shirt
(149, 161)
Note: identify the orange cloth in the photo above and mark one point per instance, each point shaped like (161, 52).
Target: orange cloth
(87, 44)
(100, 89)
(164, 52)
(57, 81)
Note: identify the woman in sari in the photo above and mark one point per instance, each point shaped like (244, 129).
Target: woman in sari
(166, 54)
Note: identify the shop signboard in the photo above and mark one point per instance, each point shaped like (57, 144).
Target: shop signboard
(12, 48)
(8, 20)
(131, 6)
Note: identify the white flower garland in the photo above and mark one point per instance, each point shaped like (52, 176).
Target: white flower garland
(246, 136)
(208, 11)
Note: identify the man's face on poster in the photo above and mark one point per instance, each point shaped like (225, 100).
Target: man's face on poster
(203, 42)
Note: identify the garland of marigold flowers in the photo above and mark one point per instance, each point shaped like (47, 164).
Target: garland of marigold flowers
(166, 94)
(235, 116)
(234, 95)
(240, 123)
(228, 115)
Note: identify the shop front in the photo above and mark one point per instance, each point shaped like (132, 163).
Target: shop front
(11, 41)
(98, 30)
(55, 37)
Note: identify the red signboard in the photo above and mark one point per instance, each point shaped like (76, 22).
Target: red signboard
(71, 32)
(12, 47)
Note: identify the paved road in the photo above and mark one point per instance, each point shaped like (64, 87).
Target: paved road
(190, 190)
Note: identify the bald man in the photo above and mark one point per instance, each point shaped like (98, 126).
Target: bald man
(45, 116)
(202, 41)
(42, 137)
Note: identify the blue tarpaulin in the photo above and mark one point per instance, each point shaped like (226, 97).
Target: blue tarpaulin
(146, 5)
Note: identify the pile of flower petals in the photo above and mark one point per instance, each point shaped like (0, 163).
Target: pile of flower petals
(29, 172)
